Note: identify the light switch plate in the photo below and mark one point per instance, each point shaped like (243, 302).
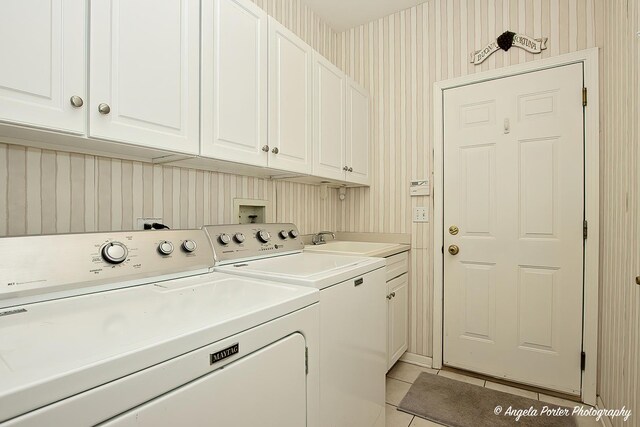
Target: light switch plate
(420, 214)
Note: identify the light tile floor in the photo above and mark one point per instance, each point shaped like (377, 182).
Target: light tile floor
(402, 375)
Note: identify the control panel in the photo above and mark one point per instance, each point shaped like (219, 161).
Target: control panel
(34, 265)
(232, 243)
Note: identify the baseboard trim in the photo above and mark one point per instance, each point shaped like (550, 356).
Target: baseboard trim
(417, 359)
(605, 421)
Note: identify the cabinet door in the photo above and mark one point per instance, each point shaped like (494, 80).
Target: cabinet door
(42, 46)
(290, 89)
(398, 317)
(234, 81)
(145, 73)
(357, 141)
(328, 119)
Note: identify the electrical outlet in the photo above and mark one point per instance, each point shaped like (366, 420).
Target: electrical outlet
(142, 221)
(420, 214)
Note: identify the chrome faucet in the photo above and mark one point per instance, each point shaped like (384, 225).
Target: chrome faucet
(318, 239)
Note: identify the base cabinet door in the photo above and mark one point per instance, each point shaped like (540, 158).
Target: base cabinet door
(43, 71)
(328, 119)
(357, 136)
(397, 315)
(290, 88)
(144, 67)
(234, 82)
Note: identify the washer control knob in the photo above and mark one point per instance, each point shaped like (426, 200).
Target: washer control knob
(264, 236)
(283, 234)
(114, 252)
(224, 239)
(165, 248)
(238, 237)
(293, 234)
(189, 246)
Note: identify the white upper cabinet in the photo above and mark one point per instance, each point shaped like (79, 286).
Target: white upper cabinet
(144, 67)
(290, 100)
(42, 48)
(357, 142)
(234, 81)
(329, 119)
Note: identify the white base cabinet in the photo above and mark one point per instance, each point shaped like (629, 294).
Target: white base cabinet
(398, 318)
(397, 307)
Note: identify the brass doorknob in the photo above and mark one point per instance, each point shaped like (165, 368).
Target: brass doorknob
(454, 249)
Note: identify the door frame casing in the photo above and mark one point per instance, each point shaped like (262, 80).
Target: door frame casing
(589, 59)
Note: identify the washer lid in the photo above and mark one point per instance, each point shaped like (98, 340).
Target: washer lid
(54, 349)
(307, 269)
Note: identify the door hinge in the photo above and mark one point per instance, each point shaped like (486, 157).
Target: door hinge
(306, 360)
(583, 361)
(584, 96)
(585, 229)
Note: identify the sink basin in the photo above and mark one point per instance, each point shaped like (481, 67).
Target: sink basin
(358, 248)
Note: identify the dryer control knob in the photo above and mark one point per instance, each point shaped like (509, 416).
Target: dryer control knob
(224, 239)
(165, 248)
(114, 252)
(293, 234)
(189, 246)
(264, 236)
(283, 234)
(238, 237)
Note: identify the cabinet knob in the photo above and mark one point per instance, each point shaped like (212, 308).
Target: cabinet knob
(104, 108)
(275, 150)
(76, 101)
(346, 168)
(350, 169)
(265, 148)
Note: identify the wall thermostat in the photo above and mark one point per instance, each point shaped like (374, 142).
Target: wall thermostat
(419, 187)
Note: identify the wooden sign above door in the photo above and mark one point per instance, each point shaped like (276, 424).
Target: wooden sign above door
(505, 41)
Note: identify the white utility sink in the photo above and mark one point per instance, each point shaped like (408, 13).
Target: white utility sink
(373, 249)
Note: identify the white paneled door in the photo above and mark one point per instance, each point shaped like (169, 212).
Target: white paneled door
(514, 209)
(234, 81)
(42, 46)
(145, 78)
(290, 90)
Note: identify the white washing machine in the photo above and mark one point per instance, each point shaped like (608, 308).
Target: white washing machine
(352, 312)
(133, 328)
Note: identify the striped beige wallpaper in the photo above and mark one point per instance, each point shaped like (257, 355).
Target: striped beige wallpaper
(55, 192)
(45, 191)
(620, 211)
(398, 58)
